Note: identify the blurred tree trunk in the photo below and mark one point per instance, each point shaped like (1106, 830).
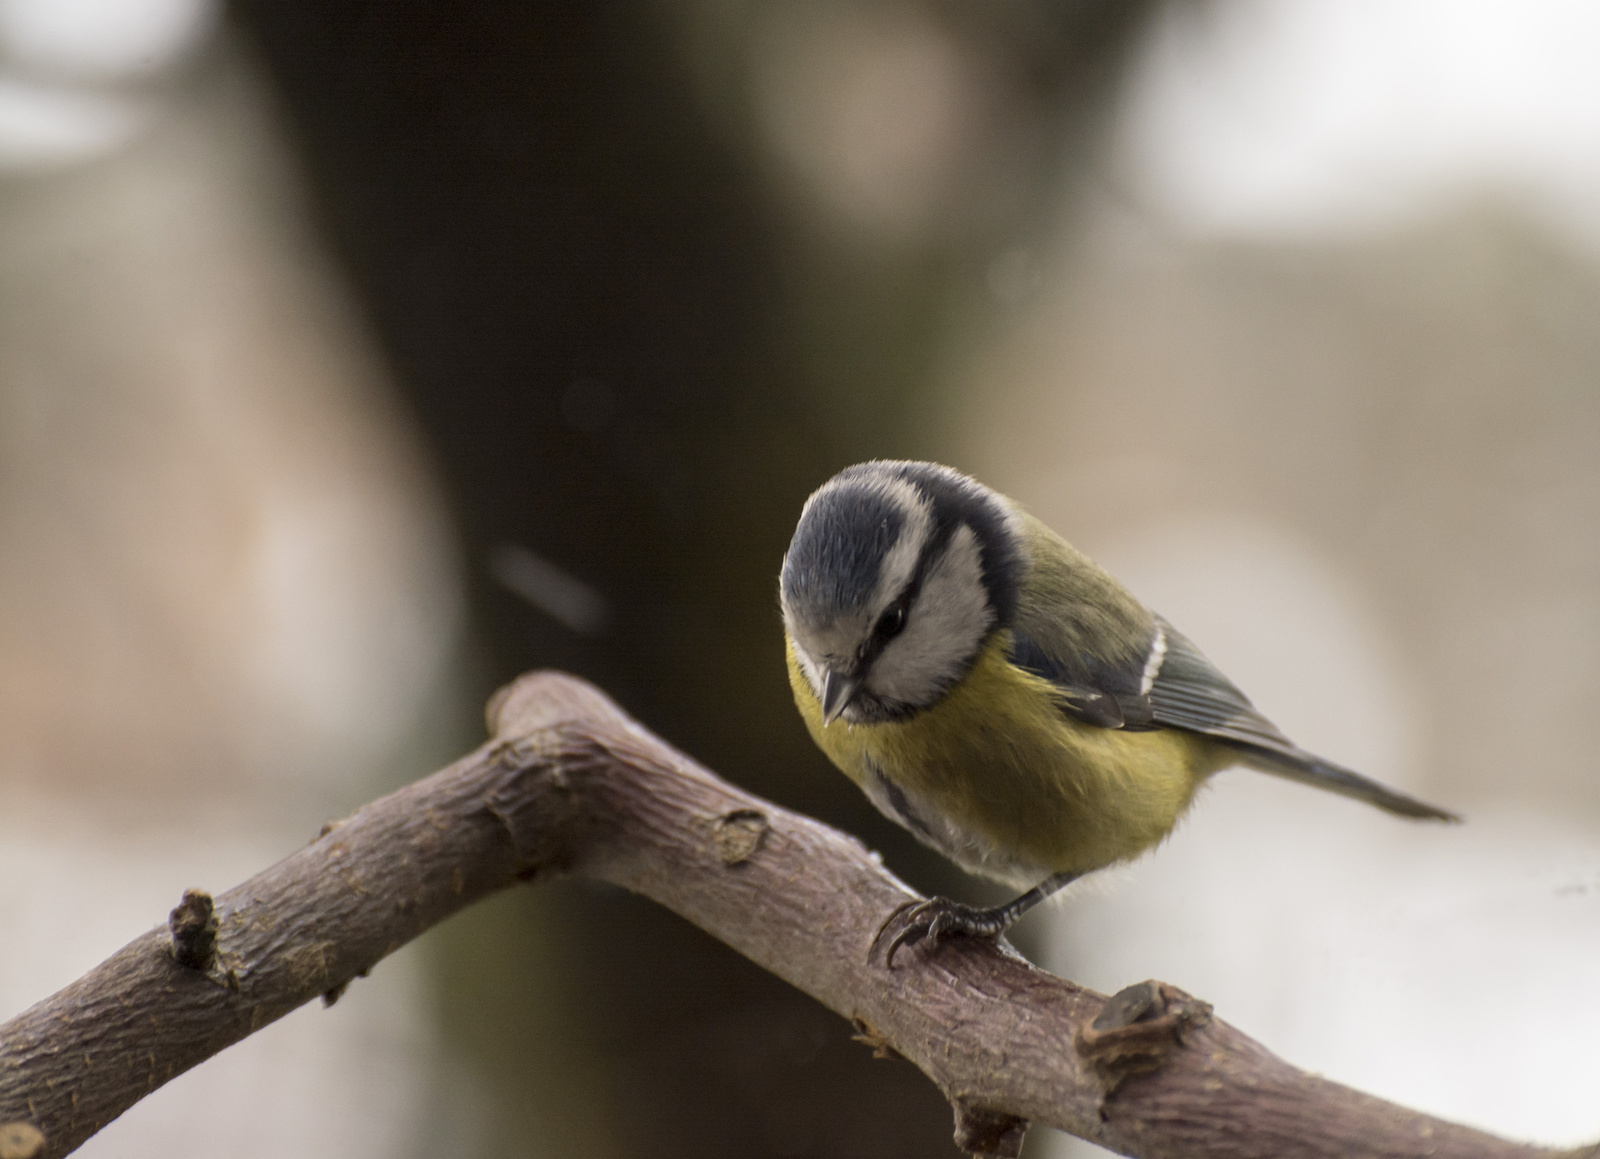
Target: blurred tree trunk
(633, 350)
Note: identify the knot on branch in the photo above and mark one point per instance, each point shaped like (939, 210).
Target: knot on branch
(737, 835)
(981, 1131)
(1138, 1029)
(194, 930)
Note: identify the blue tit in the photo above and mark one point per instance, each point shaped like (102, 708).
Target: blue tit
(1000, 696)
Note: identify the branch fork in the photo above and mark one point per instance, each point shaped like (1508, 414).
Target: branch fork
(569, 784)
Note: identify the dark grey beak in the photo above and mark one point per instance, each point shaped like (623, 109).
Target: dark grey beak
(838, 690)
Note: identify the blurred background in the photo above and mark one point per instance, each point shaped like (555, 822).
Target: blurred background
(355, 357)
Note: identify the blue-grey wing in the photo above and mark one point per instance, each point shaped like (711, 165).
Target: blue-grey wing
(1167, 684)
(1088, 689)
(1188, 691)
(1175, 686)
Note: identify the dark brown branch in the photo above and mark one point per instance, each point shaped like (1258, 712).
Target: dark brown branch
(571, 785)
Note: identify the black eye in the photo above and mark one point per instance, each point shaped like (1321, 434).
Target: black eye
(892, 622)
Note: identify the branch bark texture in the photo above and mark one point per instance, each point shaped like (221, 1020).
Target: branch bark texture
(569, 784)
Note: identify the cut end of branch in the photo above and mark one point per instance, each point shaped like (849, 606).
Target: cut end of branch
(980, 1131)
(537, 700)
(20, 1141)
(194, 930)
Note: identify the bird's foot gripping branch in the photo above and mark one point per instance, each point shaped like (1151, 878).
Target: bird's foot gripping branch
(569, 784)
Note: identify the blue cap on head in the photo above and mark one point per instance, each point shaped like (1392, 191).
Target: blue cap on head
(839, 546)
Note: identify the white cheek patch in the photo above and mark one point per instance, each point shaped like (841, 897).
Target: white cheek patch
(944, 628)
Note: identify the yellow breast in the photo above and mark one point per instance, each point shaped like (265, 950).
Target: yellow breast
(1007, 784)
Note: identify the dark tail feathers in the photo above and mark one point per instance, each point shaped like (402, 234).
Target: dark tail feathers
(1320, 774)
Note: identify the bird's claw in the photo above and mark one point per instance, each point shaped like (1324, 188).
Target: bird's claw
(935, 919)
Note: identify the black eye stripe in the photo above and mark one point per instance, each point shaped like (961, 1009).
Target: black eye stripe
(889, 625)
(893, 621)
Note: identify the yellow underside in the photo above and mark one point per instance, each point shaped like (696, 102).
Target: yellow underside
(1033, 790)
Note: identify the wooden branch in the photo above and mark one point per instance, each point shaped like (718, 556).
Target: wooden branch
(569, 784)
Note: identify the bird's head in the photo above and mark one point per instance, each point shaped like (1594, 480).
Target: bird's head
(896, 576)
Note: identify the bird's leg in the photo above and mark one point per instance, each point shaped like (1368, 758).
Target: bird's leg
(939, 918)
